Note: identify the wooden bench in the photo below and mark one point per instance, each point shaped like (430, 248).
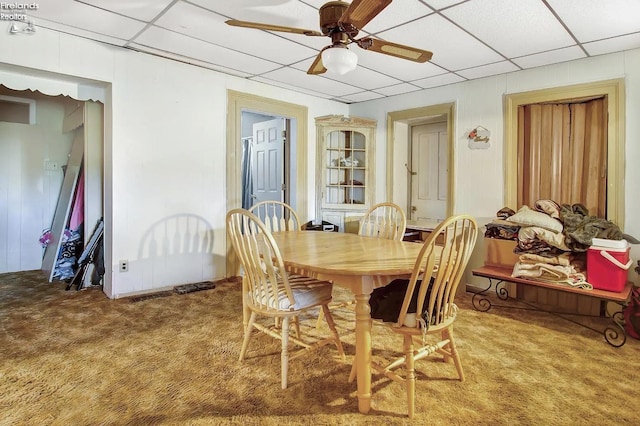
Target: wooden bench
(614, 335)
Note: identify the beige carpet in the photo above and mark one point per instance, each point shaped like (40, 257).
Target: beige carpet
(78, 358)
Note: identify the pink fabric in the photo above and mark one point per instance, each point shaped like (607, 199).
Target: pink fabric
(77, 211)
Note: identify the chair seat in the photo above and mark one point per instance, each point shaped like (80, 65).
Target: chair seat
(307, 292)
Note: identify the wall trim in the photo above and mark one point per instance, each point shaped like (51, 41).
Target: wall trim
(236, 103)
(615, 93)
(416, 116)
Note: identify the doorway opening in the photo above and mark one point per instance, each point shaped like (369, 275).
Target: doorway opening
(266, 153)
(48, 152)
(433, 126)
(297, 191)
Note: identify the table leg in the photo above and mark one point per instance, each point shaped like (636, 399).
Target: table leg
(363, 351)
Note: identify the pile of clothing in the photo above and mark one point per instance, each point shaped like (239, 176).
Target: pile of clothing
(552, 240)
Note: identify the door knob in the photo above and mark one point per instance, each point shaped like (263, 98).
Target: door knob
(414, 209)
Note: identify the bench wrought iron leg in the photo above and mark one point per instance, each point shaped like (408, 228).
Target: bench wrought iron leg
(482, 303)
(615, 335)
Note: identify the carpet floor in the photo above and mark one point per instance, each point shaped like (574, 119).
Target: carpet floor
(78, 358)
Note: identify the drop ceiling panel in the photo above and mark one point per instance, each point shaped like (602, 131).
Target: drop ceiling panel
(169, 41)
(469, 38)
(531, 26)
(452, 48)
(143, 10)
(440, 4)
(189, 60)
(317, 84)
(80, 32)
(502, 67)
(397, 89)
(439, 80)
(288, 86)
(393, 16)
(365, 78)
(591, 20)
(287, 13)
(613, 44)
(81, 16)
(547, 58)
(360, 97)
(211, 27)
(396, 67)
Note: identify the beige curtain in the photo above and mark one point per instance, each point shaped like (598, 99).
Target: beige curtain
(562, 154)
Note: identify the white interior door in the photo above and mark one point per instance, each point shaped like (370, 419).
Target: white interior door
(267, 168)
(430, 175)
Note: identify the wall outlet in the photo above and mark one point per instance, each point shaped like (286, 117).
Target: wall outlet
(124, 265)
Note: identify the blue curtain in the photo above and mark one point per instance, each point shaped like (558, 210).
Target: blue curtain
(247, 181)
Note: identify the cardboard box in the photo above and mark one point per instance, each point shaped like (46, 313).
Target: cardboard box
(500, 253)
(608, 268)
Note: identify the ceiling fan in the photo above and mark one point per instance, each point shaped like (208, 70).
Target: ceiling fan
(341, 21)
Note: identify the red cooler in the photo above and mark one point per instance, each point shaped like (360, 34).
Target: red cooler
(608, 265)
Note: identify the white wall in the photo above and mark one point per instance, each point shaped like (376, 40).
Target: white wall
(479, 179)
(164, 154)
(28, 192)
(165, 146)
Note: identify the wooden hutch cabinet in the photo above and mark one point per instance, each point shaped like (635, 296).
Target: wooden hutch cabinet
(345, 169)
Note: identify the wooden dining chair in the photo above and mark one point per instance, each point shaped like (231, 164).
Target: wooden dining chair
(272, 292)
(431, 331)
(383, 220)
(277, 216)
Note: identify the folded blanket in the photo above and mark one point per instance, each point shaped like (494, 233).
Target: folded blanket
(557, 274)
(563, 259)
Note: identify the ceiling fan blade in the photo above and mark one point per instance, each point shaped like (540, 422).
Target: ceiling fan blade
(395, 49)
(317, 67)
(360, 12)
(269, 27)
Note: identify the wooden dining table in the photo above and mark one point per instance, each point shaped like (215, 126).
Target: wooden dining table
(358, 263)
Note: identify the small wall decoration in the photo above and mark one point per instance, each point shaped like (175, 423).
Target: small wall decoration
(479, 138)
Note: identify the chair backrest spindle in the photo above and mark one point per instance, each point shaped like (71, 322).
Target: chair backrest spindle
(439, 269)
(384, 220)
(276, 216)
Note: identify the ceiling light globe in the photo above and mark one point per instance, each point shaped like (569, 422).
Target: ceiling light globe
(339, 60)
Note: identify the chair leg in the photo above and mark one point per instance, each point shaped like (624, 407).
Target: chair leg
(332, 326)
(296, 322)
(284, 354)
(454, 353)
(411, 374)
(320, 318)
(247, 335)
(352, 374)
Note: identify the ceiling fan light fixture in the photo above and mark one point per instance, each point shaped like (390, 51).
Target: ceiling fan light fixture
(339, 60)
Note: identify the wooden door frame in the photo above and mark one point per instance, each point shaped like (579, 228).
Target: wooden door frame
(236, 103)
(614, 90)
(416, 116)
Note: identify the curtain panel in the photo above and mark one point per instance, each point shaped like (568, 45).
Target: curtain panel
(562, 153)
